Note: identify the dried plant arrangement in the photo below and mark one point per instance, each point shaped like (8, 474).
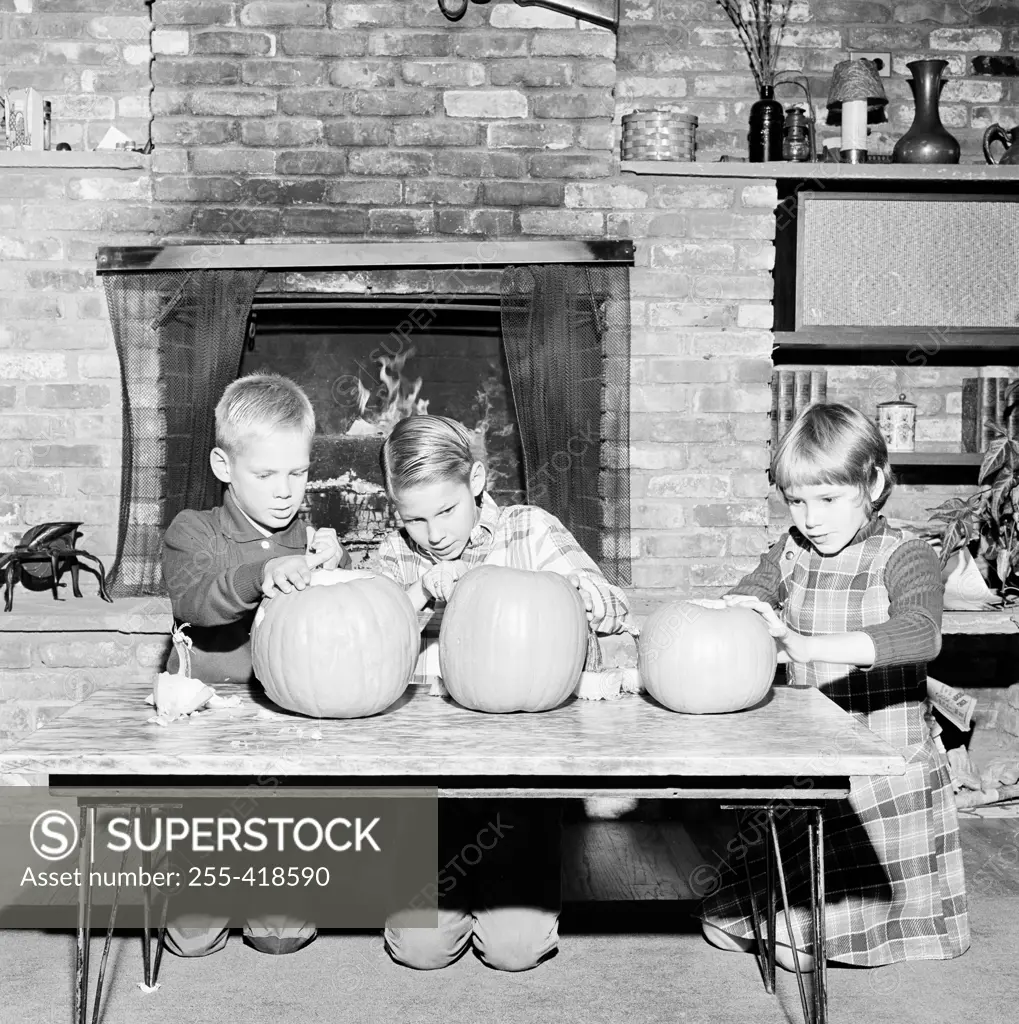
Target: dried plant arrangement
(760, 25)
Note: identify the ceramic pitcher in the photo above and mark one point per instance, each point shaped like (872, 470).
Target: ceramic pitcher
(1009, 139)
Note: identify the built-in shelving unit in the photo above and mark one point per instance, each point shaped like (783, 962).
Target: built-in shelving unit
(876, 346)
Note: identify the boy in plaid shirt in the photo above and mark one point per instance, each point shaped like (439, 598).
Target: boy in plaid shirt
(855, 607)
(508, 903)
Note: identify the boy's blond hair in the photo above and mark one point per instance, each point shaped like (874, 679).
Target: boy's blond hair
(834, 444)
(424, 450)
(257, 404)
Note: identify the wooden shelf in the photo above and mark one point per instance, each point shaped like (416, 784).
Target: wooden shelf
(825, 172)
(936, 458)
(981, 622)
(927, 340)
(71, 159)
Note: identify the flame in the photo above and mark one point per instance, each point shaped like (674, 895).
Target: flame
(401, 398)
(363, 394)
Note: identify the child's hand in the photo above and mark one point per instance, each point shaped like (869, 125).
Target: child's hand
(438, 582)
(792, 646)
(289, 572)
(580, 583)
(325, 542)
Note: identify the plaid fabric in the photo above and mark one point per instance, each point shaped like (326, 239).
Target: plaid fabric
(895, 888)
(519, 537)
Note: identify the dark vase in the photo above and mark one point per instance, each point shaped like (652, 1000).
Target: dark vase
(766, 123)
(926, 142)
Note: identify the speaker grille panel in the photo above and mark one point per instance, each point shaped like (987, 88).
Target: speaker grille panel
(908, 263)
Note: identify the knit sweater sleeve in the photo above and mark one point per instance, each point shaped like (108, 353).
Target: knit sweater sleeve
(765, 582)
(912, 633)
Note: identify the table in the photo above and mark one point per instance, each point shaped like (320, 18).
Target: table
(796, 747)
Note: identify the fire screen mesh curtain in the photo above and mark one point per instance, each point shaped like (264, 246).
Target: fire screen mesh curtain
(566, 329)
(179, 336)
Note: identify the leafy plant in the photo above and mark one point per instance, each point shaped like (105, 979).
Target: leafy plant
(988, 518)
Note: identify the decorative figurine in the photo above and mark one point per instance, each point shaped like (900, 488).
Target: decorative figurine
(45, 552)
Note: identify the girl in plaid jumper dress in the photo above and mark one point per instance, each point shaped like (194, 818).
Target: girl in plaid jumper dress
(855, 607)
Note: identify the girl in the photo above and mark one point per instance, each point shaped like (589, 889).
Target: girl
(506, 904)
(855, 607)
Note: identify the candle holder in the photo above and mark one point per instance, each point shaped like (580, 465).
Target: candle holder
(856, 98)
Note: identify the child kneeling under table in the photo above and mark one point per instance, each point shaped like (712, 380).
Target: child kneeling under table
(220, 563)
(507, 904)
(855, 607)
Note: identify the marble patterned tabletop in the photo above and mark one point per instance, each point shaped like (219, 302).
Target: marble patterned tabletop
(794, 732)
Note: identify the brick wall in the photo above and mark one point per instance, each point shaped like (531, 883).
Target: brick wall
(379, 120)
(90, 58)
(51, 656)
(60, 402)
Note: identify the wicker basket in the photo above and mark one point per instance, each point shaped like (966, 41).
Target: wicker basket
(659, 135)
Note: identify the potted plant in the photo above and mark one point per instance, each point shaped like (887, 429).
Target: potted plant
(986, 524)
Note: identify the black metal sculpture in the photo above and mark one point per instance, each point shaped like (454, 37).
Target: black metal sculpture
(44, 553)
(598, 12)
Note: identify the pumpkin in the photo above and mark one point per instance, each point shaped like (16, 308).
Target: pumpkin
(512, 640)
(705, 661)
(344, 647)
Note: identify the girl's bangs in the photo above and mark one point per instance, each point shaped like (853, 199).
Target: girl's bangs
(800, 467)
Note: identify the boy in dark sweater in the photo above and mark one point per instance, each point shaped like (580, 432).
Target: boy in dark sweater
(220, 563)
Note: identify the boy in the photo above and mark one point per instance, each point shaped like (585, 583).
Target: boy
(508, 907)
(220, 563)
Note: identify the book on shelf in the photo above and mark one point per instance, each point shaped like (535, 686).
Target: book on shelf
(783, 404)
(818, 386)
(791, 392)
(801, 391)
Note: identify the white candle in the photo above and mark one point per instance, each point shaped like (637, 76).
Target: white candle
(854, 124)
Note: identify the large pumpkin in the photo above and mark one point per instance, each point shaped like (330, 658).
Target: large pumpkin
(512, 640)
(704, 661)
(344, 647)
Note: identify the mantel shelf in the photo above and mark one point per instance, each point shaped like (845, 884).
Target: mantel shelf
(61, 160)
(827, 172)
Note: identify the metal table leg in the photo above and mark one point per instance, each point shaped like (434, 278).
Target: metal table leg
(87, 818)
(815, 1011)
(150, 962)
(86, 821)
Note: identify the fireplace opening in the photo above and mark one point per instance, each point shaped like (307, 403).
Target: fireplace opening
(365, 363)
(533, 357)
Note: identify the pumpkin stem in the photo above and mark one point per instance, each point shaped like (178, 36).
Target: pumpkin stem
(182, 644)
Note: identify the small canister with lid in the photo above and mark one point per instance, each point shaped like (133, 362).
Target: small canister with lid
(897, 423)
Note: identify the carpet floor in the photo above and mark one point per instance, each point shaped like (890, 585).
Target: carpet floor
(663, 972)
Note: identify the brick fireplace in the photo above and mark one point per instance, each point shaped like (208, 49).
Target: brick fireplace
(300, 120)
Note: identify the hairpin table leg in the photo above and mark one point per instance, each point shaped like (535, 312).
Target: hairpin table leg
(816, 1010)
(86, 820)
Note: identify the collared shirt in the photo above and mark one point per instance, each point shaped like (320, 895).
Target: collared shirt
(517, 536)
(213, 562)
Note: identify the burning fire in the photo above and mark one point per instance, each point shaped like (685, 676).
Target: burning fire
(401, 399)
